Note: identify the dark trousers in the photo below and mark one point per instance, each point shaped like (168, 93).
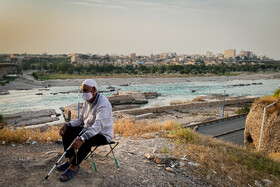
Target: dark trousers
(70, 134)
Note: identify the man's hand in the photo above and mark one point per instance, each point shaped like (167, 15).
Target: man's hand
(77, 143)
(62, 130)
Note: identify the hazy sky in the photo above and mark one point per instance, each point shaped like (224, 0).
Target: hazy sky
(141, 26)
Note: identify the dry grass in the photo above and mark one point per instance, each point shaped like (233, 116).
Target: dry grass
(232, 163)
(275, 156)
(124, 127)
(130, 127)
(22, 135)
(267, 101)
(179, 102)
(198, 98)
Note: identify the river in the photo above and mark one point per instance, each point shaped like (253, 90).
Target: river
(24, 100)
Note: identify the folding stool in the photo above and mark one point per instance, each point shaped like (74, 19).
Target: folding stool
(111, 150)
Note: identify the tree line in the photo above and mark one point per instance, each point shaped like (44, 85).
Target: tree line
(63, 66)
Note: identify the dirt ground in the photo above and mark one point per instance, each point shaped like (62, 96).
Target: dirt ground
(27, 165)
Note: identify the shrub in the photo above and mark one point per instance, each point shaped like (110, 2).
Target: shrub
(277, 93)
(35, 75)
(243, 110)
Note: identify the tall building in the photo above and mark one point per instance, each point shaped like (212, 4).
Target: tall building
(132, 55)
(74, 57)
(230, 53)
(247, 54)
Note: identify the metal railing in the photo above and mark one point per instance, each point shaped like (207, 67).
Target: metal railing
(260, 142)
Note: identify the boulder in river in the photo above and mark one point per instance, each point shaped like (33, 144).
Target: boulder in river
(128, 97)
(4, 93)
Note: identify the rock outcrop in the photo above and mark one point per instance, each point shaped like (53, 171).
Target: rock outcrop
(31, 118)
(128, 97)
(271, 132)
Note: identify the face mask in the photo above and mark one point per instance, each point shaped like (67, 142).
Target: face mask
(86, 96)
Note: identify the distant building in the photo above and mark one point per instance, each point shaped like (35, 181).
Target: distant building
(132, 55)
(171, 55)
(18, 57)
(209, 54)
(140, 63)
(6, 68)
(229, 53)
(75, 58)
(263, 58)
(247, 54)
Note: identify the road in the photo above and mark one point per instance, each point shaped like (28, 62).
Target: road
(228, 130)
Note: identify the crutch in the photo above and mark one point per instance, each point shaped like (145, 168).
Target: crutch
(84, 129)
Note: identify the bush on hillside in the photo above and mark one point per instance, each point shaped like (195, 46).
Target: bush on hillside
(277, 93)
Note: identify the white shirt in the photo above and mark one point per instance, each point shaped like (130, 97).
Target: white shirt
(97, 117)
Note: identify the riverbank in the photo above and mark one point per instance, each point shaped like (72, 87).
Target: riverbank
(26, 81)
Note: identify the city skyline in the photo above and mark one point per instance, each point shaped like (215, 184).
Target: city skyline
(140, 26)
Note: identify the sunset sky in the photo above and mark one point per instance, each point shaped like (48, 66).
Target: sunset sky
(141, 26)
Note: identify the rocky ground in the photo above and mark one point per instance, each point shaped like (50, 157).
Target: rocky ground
(27, 165)
(193, 116)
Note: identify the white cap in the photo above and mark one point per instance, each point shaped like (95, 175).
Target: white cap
(90, 82)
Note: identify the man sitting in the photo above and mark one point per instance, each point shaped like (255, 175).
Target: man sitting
(97, 118)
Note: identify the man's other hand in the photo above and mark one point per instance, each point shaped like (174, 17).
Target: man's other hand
(62, 130)
(77, 143)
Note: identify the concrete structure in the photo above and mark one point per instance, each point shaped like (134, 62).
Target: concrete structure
(6, 68)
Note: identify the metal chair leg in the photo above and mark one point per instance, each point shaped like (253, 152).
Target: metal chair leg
(112, 149)
(90, 153)
(94, 165)
(114, 156)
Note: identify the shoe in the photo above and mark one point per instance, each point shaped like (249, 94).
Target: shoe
(63, 166)
(69, 174)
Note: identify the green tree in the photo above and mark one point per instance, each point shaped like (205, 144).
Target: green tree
(161, 69)
(70, 70)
